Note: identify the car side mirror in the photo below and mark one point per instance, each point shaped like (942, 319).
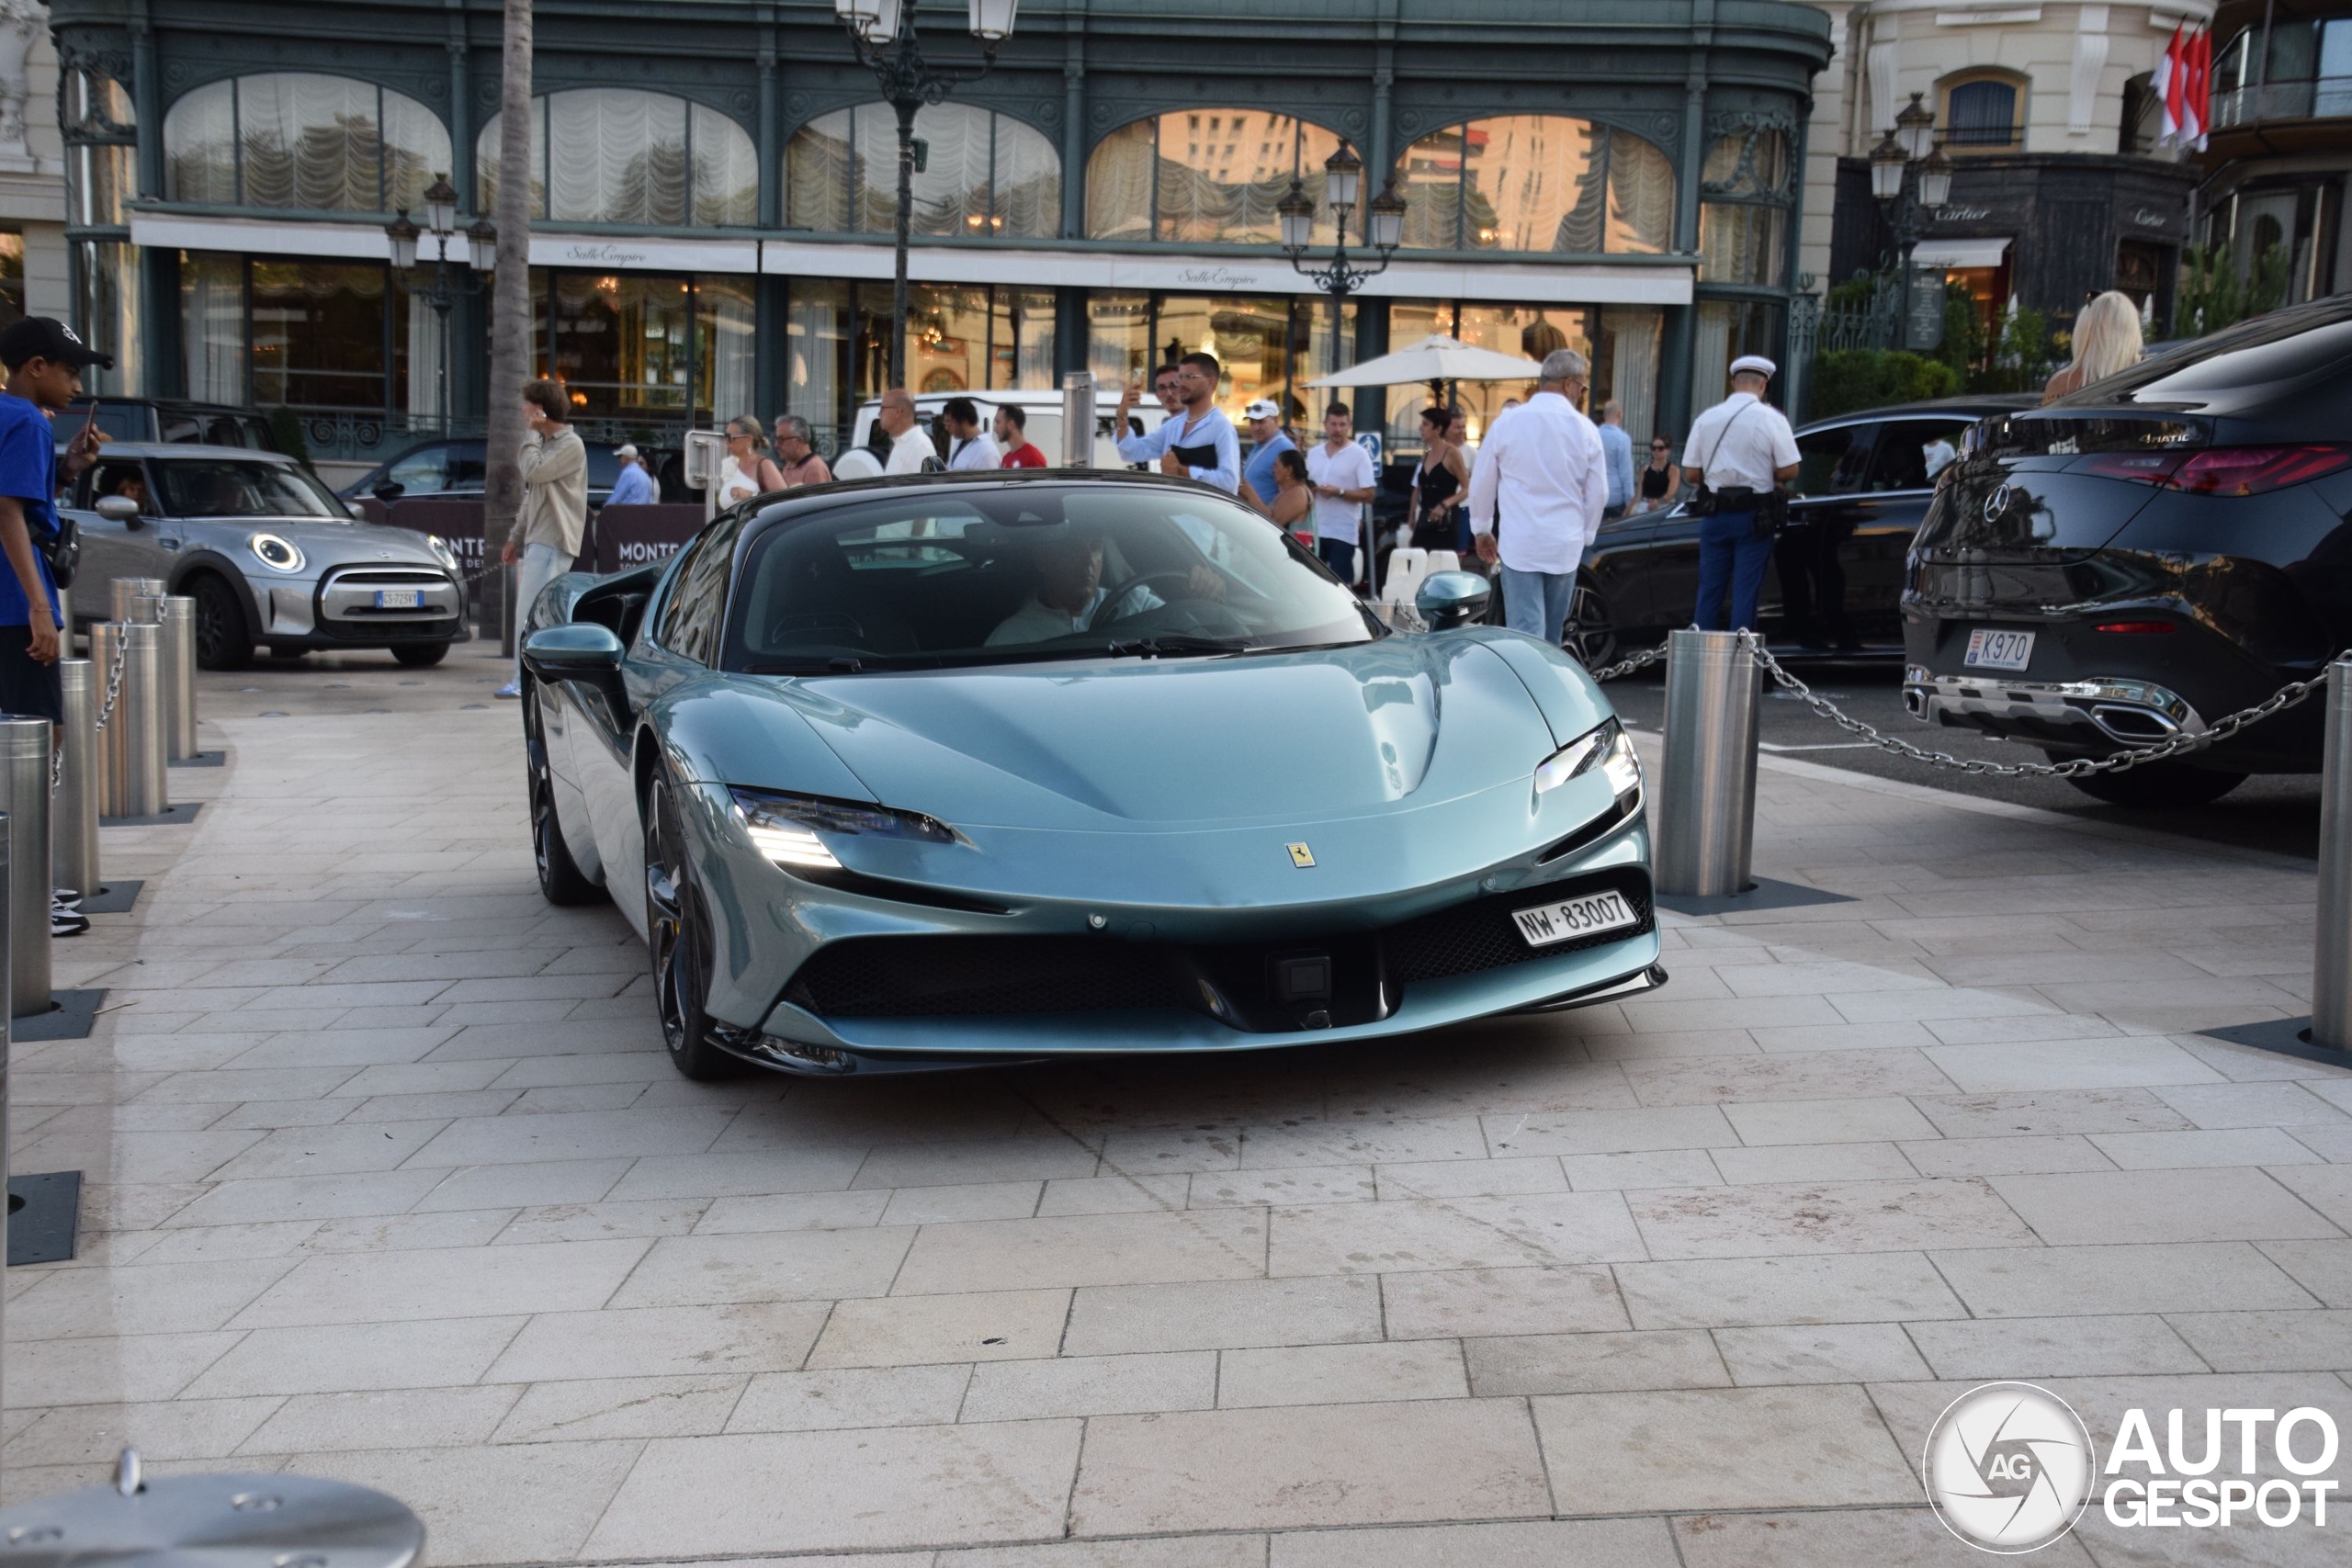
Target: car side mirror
(118, 509)
(358, 513)
(578, 651)
(1450, 599)
(385, 489)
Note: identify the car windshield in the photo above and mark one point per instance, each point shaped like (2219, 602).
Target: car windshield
(224, 486)
(924, 577)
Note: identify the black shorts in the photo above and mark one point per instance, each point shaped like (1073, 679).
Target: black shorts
(30, 690)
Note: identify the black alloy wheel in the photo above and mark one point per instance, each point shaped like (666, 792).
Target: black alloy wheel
(420, 655)
(2153, 785)
(223, 640)
(674, 919)
(562, 882)
(1589, 636)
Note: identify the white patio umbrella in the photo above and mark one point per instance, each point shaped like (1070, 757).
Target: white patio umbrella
(1435, 358)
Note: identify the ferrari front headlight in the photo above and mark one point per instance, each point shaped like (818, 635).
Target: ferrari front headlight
(1607, 747)
(790, 828)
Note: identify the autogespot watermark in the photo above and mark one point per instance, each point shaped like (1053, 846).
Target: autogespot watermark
(2009, 1468)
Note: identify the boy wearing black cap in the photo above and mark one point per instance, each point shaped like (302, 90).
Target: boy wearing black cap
(45, 362)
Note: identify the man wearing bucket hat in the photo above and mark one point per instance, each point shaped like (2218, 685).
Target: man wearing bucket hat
(1738, 452)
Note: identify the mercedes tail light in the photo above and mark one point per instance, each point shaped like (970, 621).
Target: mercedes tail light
(2251, 470)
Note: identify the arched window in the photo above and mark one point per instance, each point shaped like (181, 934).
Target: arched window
(1207, 177)
(1746, 193)
(1983, 112)
(291, 138)
(632, 157)
(1536, 183)
(982, 174)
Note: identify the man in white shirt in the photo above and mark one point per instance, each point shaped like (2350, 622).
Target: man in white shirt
(1340, 472)
(970, 446)
(1939, 454)
(1069, 592)
(1542, 465)
(1198, 440)
(910, 450)
(1741, 450)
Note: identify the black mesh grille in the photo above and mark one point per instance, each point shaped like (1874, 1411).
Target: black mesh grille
(387, 630)
(944, 977)
(1481, 935)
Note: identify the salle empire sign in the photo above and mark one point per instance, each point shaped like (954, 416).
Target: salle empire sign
(2178, 1480)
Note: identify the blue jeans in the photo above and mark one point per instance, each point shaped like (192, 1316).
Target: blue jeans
(1537, 603)
(540, 564)
(1340, 556)
(1730, 555)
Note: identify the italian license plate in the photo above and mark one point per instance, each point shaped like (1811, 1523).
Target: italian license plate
(1999, 650)
(1544, 924)
(399, 598)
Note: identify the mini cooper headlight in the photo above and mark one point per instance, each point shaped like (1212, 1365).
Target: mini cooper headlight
(279, 555)
(1607, 747)
(441, 551)
(785, 827)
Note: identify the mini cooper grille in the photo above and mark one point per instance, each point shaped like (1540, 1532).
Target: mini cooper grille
(1481, 935)
(949, 976)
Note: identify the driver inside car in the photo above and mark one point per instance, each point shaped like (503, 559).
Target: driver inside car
(1069, 592)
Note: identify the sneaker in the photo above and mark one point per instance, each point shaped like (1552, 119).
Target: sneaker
(64, 923)
(512, 689)
(65, 898)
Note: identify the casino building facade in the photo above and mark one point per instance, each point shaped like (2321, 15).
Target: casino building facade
(715, 192)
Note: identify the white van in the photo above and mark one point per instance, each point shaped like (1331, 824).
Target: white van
(1044, 409)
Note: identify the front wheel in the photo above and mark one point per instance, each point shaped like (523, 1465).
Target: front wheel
(560, 879)
(1589, 636)
(2157, 784)
(674, 919)
(223, 638)
(420, 655)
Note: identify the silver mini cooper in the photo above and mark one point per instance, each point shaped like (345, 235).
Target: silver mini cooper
(269, 554)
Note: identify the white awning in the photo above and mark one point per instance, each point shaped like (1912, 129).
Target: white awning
(1950, 253)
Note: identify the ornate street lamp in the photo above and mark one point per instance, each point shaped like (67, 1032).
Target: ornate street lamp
(1911, 178)
(402, 236)
(883, 34)
(1343, 190)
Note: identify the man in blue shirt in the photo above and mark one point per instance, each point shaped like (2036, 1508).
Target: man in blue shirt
(1617, 456)
(1257, 486)
(1200, 441)
(45, 362)
(634, 487)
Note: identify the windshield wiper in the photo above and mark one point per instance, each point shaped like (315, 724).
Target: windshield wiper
(838, 665)
(1176, 644)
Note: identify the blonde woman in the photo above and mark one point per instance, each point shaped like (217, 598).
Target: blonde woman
(748, 470)
(2106, 339)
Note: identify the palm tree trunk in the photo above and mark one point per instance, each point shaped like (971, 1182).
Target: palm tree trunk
(510, 331)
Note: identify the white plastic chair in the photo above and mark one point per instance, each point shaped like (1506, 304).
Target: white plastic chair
(1444, 561)
(1406, 567)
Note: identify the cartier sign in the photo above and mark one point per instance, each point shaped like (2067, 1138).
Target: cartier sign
(1955, 214)
(2149, 218)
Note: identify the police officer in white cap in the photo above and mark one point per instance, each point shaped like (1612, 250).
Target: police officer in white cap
(1739, 451)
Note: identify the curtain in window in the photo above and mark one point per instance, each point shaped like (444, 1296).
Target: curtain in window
(726, 171)
(816, 333)
(200, 146)
(1220, 171)
(424, 342)
(725, 321)
(1711, 353)
(1533, 183)
(1118, 184)
(874, 169)
(1641, 197)
(1984, 114)
(1118, 337)
(617, 155)
(417, 148)
(1742, 243)
(1629, 339)
(486, 161)
(818, 174)
(310, 141)
(1430, 179)
(212, 323)
(1028, 182)
(1021, 338)
(951, 190)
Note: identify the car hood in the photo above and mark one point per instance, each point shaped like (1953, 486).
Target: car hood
(324, 539)
(1111, 745)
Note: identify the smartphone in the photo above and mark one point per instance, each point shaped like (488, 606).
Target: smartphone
(89, 424)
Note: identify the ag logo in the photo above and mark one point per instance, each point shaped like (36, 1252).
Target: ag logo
(2008, 1467)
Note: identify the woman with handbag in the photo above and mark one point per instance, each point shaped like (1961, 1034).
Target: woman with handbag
(1738, 454)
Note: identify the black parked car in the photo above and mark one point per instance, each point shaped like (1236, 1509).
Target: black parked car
(454, 467)
(1863, 482)
(175, 419)
(2142, 557)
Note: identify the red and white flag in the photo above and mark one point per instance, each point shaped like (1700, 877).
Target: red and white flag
(2183, 81)
(2200, 98)
(2172, 89)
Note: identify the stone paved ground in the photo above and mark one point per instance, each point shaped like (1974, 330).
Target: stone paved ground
(390, 1182)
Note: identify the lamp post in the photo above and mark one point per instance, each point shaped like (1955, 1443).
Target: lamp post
(883, 34)
(482, 261)
(1343, 189)
(1912, 178)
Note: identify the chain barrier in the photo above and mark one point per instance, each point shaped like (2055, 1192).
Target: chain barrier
(2287, 696)
(106, 711)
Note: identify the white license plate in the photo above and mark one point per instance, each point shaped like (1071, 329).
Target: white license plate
(1547, 923)
(1999, 650)
(399, 598)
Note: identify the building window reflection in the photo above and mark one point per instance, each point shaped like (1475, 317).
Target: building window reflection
(308, 333)
(1207, 176)
(628, 156)
(1545, 183)
(984, 174)
(1746, 190)
(305, 141)
(959, 339)
(637, 351)
(101, 136)
(1619, 342)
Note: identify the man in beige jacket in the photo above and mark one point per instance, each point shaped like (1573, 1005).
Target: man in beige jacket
(548, 530)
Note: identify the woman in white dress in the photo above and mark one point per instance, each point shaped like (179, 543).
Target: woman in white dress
(748, 470)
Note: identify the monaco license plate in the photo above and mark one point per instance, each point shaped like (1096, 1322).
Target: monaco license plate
(399, 598)
(1544, 924)
(1998, 650)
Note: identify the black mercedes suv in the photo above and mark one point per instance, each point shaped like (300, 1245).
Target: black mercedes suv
(2141, 557)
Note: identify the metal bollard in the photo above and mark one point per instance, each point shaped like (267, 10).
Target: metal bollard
(1706, 811)
(2332, 948)
(65, 622)
(136, 784)
(7, 1046)
(24, 795)
(1078, 419)
(73, 820)
(176, 614)
(225, 1520)
(129, 591)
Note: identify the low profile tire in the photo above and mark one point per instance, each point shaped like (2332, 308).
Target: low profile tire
(421, 655)
(2159, 784)
(675, 923)
(223, 640)
(1590, 635)
(561, 878)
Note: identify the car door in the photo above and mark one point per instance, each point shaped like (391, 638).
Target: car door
(110, 548)
(1808, 598)
(1888, 512)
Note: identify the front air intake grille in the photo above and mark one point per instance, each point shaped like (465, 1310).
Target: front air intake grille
(951, 977)
(1480, 935)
